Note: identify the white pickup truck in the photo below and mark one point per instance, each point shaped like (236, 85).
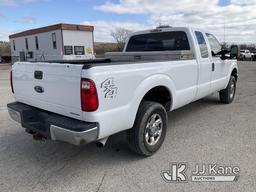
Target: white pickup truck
(245, 55)
(159, 71)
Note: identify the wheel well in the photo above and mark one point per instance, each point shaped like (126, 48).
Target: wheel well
(234, 73)
(160, 95)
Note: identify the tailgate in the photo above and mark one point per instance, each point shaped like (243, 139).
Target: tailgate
(49, 86)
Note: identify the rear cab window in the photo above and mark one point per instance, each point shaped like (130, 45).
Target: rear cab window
(202, 44)
(158, 41)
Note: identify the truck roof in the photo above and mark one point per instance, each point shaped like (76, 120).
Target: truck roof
(166, 29)
(161, 29)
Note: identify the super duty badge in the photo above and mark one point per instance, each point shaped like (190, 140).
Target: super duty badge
(109, 88)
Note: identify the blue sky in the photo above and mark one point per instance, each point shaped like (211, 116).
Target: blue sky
(224, 2)
(39, 13)
(21, 15)
(18, 15)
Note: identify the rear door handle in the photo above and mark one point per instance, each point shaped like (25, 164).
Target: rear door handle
(213, 66)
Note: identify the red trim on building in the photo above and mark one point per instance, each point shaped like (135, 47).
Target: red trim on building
(62, 26)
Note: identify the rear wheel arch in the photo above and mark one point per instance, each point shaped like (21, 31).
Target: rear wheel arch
(161, 95)
(146, 97)
(142, 93)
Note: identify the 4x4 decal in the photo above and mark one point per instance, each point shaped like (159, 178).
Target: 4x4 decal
(110, 90)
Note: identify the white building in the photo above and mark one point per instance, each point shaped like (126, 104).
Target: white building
(52, 43)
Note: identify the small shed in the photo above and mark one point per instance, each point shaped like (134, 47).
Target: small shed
(55, 42)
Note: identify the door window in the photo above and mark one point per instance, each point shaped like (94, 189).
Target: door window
(202, 44)
(214, 44)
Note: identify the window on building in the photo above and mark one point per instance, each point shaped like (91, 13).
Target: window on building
(13, 44)
(26, 42)
(36, 42)
(202, 44)
(54, 42)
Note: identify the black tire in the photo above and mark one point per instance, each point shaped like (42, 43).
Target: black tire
(136, 136)
(227, 95)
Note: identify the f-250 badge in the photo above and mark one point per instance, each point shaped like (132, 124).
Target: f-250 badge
(110, 90)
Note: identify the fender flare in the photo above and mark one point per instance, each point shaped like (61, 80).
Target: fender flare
(145, 86)
(233, 66)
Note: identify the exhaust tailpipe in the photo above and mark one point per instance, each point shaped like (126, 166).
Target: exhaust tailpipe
(101, 143)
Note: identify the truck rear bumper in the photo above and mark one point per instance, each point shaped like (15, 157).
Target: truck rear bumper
(52, 126)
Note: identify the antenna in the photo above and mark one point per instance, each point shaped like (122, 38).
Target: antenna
(159, 21)
(224, 31)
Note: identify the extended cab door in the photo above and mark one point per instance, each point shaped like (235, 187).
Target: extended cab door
(205, 66)
(219, 66)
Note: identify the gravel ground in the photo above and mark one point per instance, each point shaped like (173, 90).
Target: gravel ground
(202, 132)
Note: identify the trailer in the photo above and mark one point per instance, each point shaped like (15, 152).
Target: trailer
(55, 42)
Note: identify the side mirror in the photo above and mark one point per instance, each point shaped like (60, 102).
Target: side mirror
(234, 52)
(223, 54)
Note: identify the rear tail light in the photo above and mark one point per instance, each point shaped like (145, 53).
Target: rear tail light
(11, 81)
(89, 97)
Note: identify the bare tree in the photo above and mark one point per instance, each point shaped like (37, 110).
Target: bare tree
(120, 35)
(5, 49)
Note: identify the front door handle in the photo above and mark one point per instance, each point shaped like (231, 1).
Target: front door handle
(213, 66)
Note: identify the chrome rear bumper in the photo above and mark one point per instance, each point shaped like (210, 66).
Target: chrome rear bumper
(73, 137)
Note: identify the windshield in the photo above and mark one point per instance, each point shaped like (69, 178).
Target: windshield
(161, 41)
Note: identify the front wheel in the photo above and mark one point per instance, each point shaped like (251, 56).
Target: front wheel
(149, 130)
(227, 95)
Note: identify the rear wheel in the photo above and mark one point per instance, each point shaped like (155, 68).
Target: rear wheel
(149, 130)
(227, 95)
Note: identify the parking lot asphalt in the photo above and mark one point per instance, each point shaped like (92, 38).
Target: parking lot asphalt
(205, 131)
